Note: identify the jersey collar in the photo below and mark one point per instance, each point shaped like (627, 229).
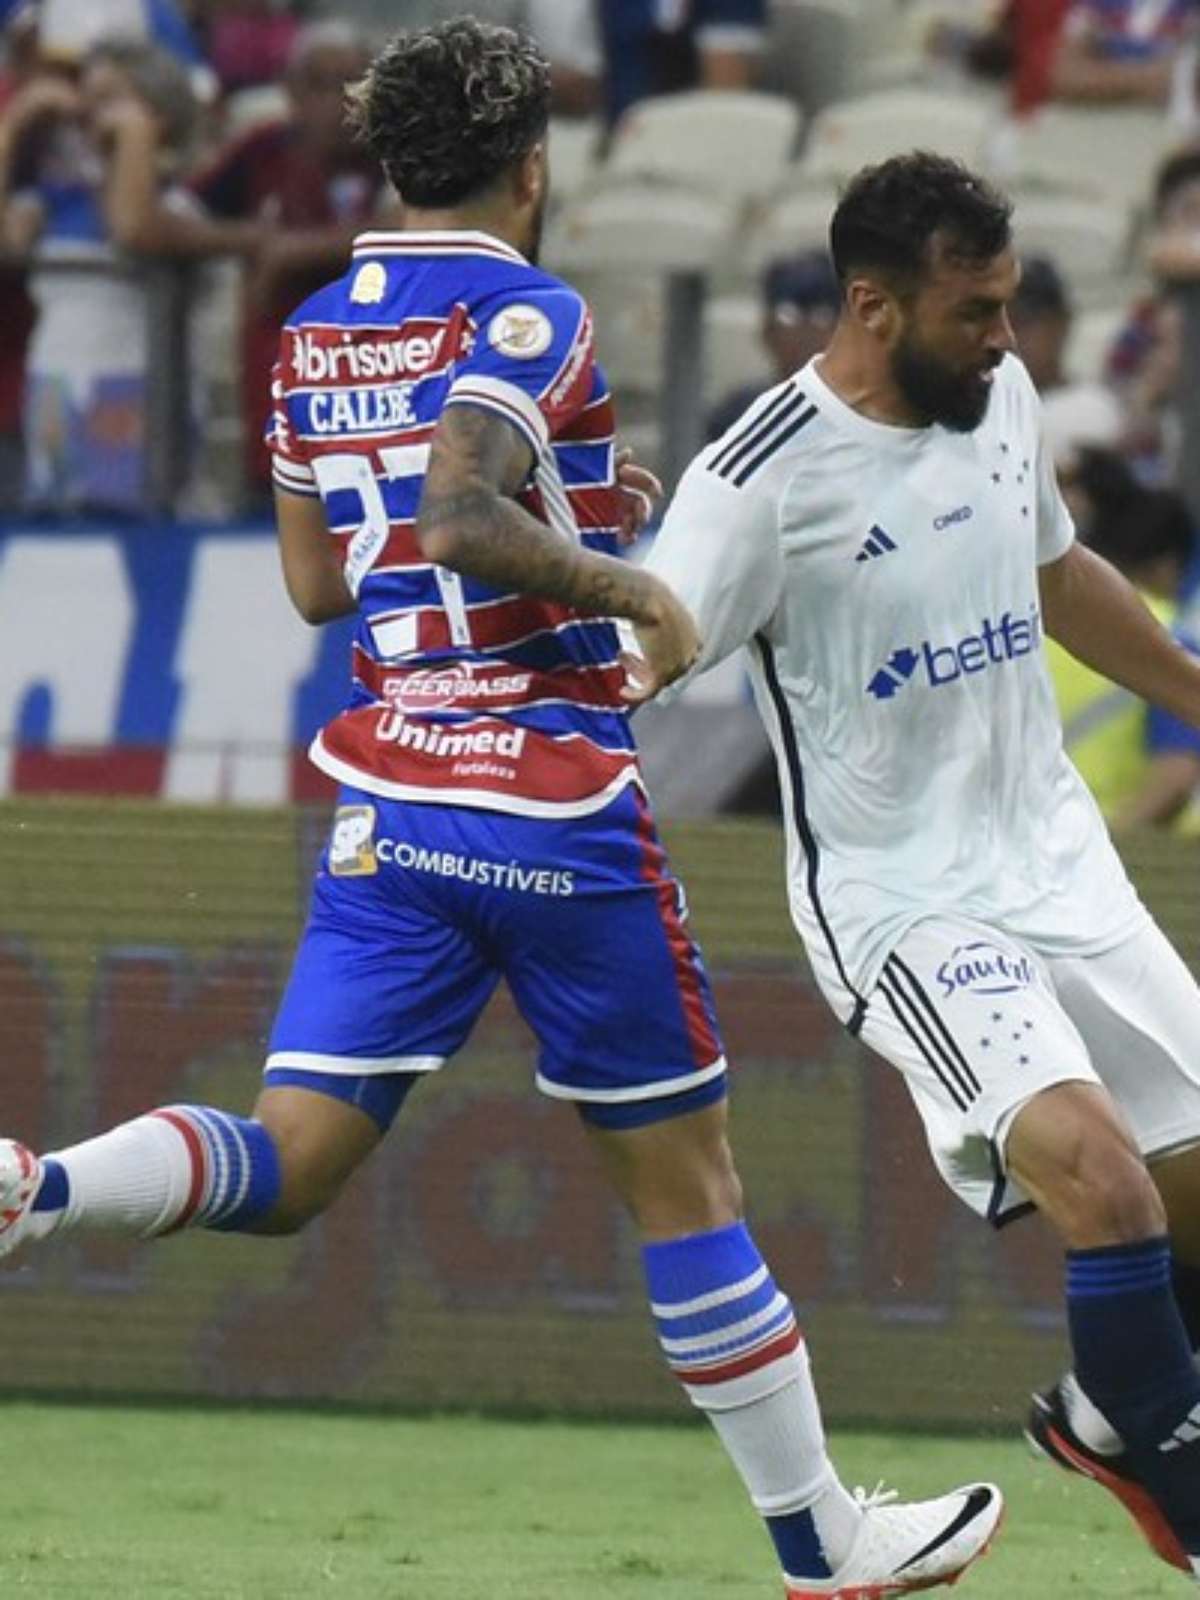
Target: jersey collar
(889, 435)
(437, 242)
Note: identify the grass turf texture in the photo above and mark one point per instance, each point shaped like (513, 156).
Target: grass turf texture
(263, 1505)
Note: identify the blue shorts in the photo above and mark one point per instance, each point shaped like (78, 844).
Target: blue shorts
(419, 910)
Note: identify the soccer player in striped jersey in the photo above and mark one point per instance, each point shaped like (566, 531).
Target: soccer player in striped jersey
(444, 460)
(884, 532)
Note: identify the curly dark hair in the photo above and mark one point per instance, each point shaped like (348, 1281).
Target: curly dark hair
(446, 110)
(890, 215)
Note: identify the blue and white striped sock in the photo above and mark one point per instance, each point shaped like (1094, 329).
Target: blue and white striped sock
(731, 1337)
(177, 1167)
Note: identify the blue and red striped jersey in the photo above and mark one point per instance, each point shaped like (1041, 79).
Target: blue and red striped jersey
(461, 693)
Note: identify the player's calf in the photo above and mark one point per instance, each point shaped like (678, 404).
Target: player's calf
(177, 1167)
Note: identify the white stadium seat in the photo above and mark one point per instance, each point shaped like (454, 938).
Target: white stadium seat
(872, 127)
(1109, 152)
(1087, 241)
(644, 226)
(733, 143)
(794, 220)
(733, 328)
(574, 148)
(812, 50)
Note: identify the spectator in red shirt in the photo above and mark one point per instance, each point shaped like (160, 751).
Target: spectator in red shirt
(310, 188)
(1020, 45)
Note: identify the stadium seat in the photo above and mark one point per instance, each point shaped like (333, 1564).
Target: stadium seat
(812, 46)
(847, 136)
(1087, 241)
(1109, 152)
(795, 219)
(628, 309)
(640, 226)
(733, 345)
(574, 147)
(733, 143)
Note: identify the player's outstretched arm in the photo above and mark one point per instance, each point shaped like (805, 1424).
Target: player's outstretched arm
(1101, 619)
(312, 568)
(469, 521)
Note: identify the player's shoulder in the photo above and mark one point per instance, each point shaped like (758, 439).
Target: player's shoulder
(328, 304)
(522, 310)
(766, 437)
(1013, 388)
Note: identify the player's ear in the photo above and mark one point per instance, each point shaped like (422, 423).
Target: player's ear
(873, 307)
(531, 175)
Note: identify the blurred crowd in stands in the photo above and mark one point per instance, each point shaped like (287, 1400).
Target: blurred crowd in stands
(205, 139)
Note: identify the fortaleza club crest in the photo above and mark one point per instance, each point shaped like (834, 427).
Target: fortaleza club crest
(983, 968)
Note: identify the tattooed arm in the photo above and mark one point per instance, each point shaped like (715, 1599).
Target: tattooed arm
(469, 521)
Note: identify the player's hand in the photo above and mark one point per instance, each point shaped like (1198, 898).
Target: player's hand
(639, 490)
(667, 646)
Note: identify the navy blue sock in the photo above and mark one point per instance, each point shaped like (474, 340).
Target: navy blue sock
(1133, 1359)
(1185, 1280)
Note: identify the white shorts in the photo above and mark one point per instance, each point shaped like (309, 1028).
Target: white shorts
(979, 1023)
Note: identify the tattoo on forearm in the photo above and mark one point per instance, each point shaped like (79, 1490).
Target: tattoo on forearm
(478, 462)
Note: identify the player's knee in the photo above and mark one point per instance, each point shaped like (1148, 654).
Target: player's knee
(1097, 1193)
(320, 1143)
(298, 1205)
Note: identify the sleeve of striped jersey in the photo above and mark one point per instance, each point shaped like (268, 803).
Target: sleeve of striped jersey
(290, 466)
(719, 550)
(532, 361)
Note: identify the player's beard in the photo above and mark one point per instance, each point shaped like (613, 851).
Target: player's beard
(938, 392)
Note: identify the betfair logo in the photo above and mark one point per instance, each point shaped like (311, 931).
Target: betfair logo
(939, 664)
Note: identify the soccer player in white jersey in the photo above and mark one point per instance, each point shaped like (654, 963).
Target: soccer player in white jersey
(884, 533)
(445, 467)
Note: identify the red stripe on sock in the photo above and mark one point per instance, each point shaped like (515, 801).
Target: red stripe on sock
(195, 1150)
(783, 1345)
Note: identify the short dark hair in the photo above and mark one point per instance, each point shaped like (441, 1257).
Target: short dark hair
(889, 216)
(1176, 171)
(447, 110)
(1042, 291)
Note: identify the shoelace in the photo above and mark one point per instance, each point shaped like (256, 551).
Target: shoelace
(878, 1496)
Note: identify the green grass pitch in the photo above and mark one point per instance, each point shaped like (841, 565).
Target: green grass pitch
(286, 1505)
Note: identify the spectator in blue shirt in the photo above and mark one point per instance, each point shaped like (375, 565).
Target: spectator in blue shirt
(660, 46)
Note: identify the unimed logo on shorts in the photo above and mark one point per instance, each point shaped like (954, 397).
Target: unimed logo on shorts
(983, 968)
(936, 665)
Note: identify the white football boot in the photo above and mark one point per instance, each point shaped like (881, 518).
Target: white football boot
(20, 1180)
(901, 1548)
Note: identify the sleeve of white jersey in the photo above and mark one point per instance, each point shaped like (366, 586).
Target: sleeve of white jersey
(719, 550)
(1055, 528)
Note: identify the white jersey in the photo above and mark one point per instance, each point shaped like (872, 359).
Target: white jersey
(885, 580)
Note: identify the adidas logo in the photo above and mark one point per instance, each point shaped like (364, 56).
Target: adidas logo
(1187, 1432)
(877, 543)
